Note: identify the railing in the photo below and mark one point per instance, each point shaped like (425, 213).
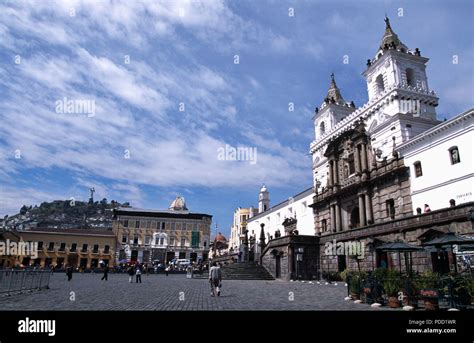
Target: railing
(226, 258)
(19, 281)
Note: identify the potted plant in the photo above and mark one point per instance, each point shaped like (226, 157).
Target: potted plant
(427, 288)
(344, 275)
(355, 284)
(392, 285)
(462, 290)
(366, 291)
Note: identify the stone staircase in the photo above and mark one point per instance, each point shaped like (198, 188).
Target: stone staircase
(242, 271)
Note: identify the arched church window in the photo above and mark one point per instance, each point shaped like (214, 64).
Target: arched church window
(379, 83)
(322, 128)
(410, 75)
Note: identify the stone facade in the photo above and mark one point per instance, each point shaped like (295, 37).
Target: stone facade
(292, 257)
(413, 229)
(360, 190)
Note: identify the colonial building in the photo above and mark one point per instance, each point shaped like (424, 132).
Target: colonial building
(273, 217)
(441, 164)
(162, 235)
(81, 248)
(239, 225)
(373, 166)
(401, 105)
(363, 185)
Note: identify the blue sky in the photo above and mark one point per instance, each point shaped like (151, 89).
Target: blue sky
(184, 52)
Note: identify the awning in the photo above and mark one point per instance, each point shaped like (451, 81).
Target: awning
(399, 247)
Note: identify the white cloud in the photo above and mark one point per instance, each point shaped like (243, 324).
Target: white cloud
(13, 198)
(314, 50)
(136, 103)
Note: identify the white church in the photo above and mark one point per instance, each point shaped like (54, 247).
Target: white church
(400, 118)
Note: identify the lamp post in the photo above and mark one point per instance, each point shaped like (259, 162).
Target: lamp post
(299, 258)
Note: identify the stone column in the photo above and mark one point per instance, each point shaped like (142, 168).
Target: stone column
(364, 156)
(335, 177)
(362, 210)
(368, 209)
(330, 174)
(357, 159)
(333, 220)
(338, 217)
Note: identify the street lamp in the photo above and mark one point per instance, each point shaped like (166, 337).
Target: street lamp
(299, 258)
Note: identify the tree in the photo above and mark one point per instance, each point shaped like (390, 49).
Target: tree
(23, 210)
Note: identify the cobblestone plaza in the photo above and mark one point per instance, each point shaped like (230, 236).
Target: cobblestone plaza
(177, 293)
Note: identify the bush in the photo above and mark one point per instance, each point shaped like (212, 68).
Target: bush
(356, 281)
(392, 283)
(427, 280)
(344, 274)
(380, 273)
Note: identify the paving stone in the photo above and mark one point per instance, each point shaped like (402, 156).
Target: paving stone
(159, 292)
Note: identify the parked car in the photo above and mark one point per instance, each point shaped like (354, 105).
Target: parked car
(183, 262)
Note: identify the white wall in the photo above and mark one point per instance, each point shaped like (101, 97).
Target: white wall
(441, 180)
(274, 218)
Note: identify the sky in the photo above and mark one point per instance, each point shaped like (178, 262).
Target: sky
(172, 83)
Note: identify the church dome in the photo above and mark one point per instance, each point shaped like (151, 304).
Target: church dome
(263, 189)
(178, 204)
(220, 238)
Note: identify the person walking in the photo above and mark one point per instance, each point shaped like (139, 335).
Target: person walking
(215, 279)
(138, 274)
(106, 272)
(131, 272)
(167, 270)
(69, 273)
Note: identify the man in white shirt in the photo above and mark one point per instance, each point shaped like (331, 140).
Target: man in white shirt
(215, 278)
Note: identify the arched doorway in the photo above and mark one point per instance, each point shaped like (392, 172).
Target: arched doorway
(355, 219)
